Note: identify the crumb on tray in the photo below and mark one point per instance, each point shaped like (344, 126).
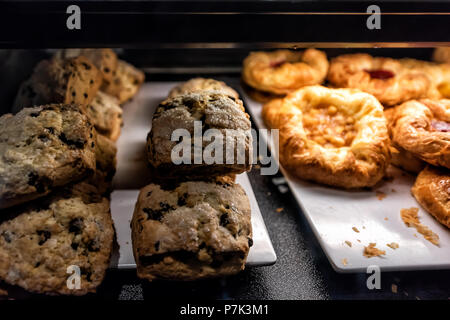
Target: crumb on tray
(344, 262)
(348, 243)
(380, 195)
(355, 229)
(411, 218)
(371, 251)
(393, 245)
(279, 210)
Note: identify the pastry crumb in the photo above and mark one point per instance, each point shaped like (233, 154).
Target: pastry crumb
(380, 195)
(358, 240)
(393, 245)
(348, 243)
(411, 218)
(386, 218)
(371, 251)
(355, 229)
(279, 210)
(344, 261)
(394, 288)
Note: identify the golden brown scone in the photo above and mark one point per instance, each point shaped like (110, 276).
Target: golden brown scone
(283, 71)
(104, 59)
(125, 82)
(422, 128)
(432, 191)
(385, 78)
(202, 84)
(260, 96)
(399, 156)
(441, 55)
(105, 114)
(336, 137)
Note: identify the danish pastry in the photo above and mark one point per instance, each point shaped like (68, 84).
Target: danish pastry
(337, 137)
(283, 71)
(202, 84)
(423, 128)
(399, 156)
(432, 191)
(387, 79)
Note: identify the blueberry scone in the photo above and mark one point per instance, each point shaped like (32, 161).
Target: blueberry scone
(125, 82)
(42, 148)
(193, 231)
(202, 84)
(45, 242)
(106, 115)
(104, 59)
(196, 113)
(105, 164)
(72, 80)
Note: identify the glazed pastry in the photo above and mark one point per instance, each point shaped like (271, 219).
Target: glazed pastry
(432, 191)
(442, 55)
(125, 82)
(105, 114)
(202, 84)
(283, 71)
(73, 80)
(213, 110)
(422, 128)
(193, 231)
(104, 59)
(399, 156)
(40, 240)
(42, 148)
(337, 137)
(385, 78)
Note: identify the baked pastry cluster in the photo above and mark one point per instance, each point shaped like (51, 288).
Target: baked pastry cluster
(193, 221)
(337, 137)
(379, 111)
(277, 73)
(57, 162)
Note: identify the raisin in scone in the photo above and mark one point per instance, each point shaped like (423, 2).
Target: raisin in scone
(196, 230)
(72, 80)
(202, 84)
(125, 82)
(104, 59)
(106, 115)
(42, 148)
(41, 239)
(199, 112)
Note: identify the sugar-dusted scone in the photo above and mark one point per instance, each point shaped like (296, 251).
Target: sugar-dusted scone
(104, 59)
(105, 164)
(206, 110)
(73, 80)
(202, 84)
(432, 191)
(40, 240)
(193, 231)
(125, 82)
(42, 148)
(105, 114)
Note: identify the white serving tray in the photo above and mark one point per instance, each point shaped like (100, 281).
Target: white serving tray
(332, 213)
(132, 174)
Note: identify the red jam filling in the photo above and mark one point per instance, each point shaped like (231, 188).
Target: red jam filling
(441, 126)
(276, 64)
(380, 74)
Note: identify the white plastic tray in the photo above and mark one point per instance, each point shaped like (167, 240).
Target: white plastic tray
(132, 174)
(332, 213)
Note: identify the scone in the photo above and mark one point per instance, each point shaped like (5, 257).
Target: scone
(336, 137)
(432, 191)
(200, 111)
(105, 165)
(104, 59)
(202, 84)
(40, 240)
(42, 148)
(193, 231)
(125, 82)
(105, 114)
(73, 80)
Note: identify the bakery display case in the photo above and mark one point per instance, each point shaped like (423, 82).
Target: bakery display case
(243, 150)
